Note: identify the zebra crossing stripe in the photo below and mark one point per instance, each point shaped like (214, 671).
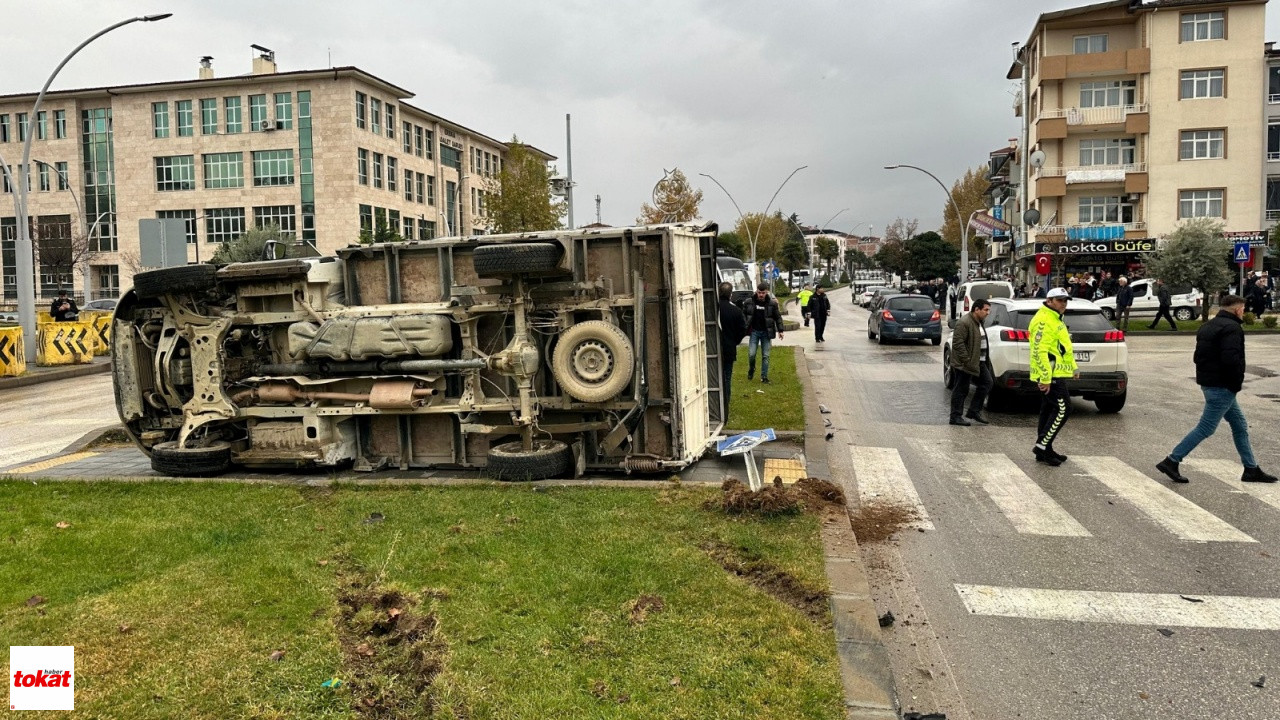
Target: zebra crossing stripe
(1228, 471)
(1028, 507)
(882, 477)
(1166, 508)
(1159, 609)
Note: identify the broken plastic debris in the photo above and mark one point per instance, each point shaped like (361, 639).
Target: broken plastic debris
(1165, 632)
(928, 716)
(1260, 682)
(1191, 599)
(333, 683)
(826, 421)
(374, 517)
(823, 409)
(830, 435)
(886, 619)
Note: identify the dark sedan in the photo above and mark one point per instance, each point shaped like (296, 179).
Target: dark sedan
(905, 317)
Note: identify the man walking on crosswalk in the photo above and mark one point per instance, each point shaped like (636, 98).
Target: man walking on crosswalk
(1053, 362)
(1220, 367)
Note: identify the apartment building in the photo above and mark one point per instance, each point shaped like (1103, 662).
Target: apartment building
(324, 154)
(1143, 114)
(1272, 162)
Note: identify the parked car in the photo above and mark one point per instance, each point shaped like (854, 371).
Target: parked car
(982, 290)
(878, 296)
(864, 298)
(105, 305)
(1101, 353)
(905, 317)
(1187, 302)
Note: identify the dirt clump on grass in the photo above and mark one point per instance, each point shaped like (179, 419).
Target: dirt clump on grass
(641, 608)
(770, 579)
(809, 494)
(392, 649)
(877, 522)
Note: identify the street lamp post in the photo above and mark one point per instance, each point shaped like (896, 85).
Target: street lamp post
(813, 245)
(964, 229)
(25, 264)
(755, 266)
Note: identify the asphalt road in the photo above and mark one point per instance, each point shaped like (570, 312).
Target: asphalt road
(42, 419)
(1093, 590)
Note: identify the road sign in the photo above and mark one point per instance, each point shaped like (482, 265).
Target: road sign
(163, 242)
(987, 224)
(747, 441)
(1241, 253)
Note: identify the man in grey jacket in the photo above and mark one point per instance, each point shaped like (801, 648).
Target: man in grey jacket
(969, 364)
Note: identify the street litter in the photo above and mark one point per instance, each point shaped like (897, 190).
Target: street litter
(1260, 682)
(886, 619)
(823, 409)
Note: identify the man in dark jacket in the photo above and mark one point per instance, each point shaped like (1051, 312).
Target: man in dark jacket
(764, 320)
(1124, 303)
(1166, 302)
(969, 364)
(64, 308)
(820, 309)
(733, 327)
(1220, 366)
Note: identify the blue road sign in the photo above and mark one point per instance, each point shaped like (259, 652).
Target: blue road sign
(1241, 253)
(738, 444)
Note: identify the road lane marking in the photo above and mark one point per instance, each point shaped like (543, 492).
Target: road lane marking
(1028, 507)
(1214, 611)
(1166, 508)
(55, 462)
(882, 477)
(1228, 471)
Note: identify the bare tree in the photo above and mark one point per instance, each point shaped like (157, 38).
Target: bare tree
(61, 251)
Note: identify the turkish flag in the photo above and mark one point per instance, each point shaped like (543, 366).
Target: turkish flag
(1044, 262)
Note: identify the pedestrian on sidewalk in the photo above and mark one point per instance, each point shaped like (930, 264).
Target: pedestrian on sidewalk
(1220, 367)
(1124, 303)
(969, 364)
(764, 321)
(820, 309)
(64, 309)
(1053, 362)
(733, 327)
(1166, 302)
(802, 298)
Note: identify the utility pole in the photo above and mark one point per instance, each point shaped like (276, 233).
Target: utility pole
(568, 159)
(598, 220)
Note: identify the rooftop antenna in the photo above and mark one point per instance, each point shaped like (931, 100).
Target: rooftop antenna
(598, 222)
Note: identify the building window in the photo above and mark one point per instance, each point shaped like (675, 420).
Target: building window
(362, 166)
(159, 119)
(176, 172)
(223, 224)
(391, 121)
(408, 231)
(235, 120)
(1273, 198)
(431, 144)
(1204, 26)
(431, 189)
(1273, 85)
(1085, 44)
(393, 220)
(42, 125)
(377, 170)
(450, 157)
(107, 279)
(366, 218)
(417, 140)
(1203, 84)
(282, 216)
(60, 124)
(1204, 144)
(1108, 93)
(284, 111)
(223, 170)
(63, 181)
(1200, 203)
(186, 118)
(1273, 140)
(392, 172)
(1120, 151)
(23, 123)
(406, 136)
(420, 185)
(209, 116)
(188, 215)
(375, 116)
(427, 230)
(4, 128)
(1104, 209)
(361, 101)
(44, 177)
(272, 167)
(257, 113)
(408, 184)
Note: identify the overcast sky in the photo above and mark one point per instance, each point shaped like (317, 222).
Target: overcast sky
(744, 90)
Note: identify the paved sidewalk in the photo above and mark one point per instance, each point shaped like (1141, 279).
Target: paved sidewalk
(35, 375)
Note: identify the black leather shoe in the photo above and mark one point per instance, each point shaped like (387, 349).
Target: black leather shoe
(1170, 468)
(751, 373)
(960, 421)
(1044, 456)
(978, 418)
(1061, 458)
(1257, 474)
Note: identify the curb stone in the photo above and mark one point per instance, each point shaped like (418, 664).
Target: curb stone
(865, 671)
(35, 377)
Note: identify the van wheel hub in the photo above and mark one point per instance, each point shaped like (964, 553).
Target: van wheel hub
(592, 362)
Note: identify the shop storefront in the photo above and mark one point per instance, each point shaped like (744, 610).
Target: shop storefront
(1076, 257)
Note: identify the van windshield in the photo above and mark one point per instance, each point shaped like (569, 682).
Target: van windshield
(986, 291)
(737, 277)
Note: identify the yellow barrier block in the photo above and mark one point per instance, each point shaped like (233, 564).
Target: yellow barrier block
(101, 323)
(65, 343)
(43, 316)
(13, 356)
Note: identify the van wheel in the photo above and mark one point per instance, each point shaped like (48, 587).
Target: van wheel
(948, 374)
(1110, 404)
(593, 361)
(516, 258)
(1184, 314)
(169, 459)
(1109, 314)
(174, 280)
(510, 462)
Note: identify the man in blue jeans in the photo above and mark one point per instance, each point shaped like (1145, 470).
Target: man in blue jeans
(1220, 366)
(764, 320)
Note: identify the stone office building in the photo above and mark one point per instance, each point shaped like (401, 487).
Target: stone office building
(323, 154)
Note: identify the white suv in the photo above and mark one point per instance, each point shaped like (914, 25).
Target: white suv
(1101, 353)
(981, 290)
(1186, 303)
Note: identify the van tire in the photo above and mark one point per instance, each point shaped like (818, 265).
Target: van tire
(509, 462)
(1109, 314)
(517, 258)
(1184, 314)
(593, 361)
(948, 373)
(169, 459)
(1110, 404)
(175, 280)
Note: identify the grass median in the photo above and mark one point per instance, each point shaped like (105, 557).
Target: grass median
(778, 405)
(219, 600)
(1141, 326)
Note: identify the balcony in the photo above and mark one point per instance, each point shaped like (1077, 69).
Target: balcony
(1108, 115)
(1115, 62)
(1273, 215)
(1091, 231)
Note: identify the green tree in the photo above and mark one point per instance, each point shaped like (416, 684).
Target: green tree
(770, 233)
(969, 193)
(794, 255)
(1194, 255)
(384, 234)
(674, 200)
(827, 250)
(857, 259)
(892, 257)
(520, 197)
(929, 256)
(732, 244)
(252, 246)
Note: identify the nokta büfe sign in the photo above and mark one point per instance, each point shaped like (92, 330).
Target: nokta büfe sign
(1097, 247)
